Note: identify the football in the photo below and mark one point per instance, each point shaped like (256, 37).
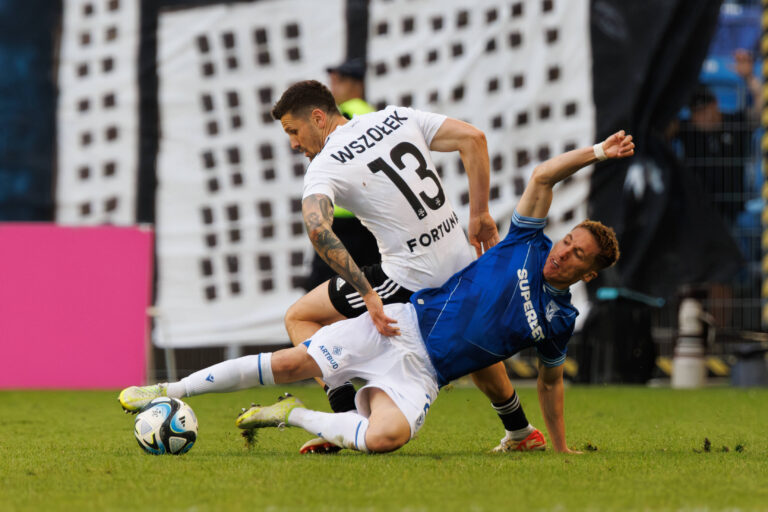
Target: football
(166, 425)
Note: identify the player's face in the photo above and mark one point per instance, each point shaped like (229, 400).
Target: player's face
(304, 133)
(571, 259)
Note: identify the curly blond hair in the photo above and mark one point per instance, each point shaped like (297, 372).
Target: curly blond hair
(606, 241)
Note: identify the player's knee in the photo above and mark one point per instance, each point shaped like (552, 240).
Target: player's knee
(292, 315)
(383, 444)
(386, 440)
(289, 363)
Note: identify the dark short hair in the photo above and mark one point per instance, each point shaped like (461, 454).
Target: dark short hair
(701, 96)
(606, 241)
(304, 96)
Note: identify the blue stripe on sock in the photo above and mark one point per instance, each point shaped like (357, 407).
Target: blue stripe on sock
(260, 379)
(357, 431)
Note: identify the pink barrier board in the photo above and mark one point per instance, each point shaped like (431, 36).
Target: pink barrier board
(73, 304)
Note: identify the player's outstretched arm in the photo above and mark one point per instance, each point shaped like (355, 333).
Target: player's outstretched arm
(317, 210)
(537, 196)
(455, 135)
(551, 400)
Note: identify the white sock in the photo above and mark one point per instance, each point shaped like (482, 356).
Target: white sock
(232, 375)
(346, 429)
(519, 435)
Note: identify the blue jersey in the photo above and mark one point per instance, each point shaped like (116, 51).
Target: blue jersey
(497, 306)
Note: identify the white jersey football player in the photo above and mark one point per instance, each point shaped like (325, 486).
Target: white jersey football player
(379, 167)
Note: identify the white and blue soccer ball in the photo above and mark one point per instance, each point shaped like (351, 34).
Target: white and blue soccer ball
(166, 425)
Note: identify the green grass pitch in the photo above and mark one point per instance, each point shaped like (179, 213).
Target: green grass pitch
(644, 450)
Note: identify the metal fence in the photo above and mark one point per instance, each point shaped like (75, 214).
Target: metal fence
(718, 140)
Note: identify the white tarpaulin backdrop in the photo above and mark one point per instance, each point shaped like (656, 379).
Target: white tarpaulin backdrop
(98, 113)
(521, 71)
(230, 238)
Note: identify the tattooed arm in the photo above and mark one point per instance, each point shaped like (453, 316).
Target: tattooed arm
(317, 210)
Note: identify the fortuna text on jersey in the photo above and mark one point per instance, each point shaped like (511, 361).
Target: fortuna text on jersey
(434, 234)
(369, 139)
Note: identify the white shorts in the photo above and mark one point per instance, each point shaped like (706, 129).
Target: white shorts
(398, 365)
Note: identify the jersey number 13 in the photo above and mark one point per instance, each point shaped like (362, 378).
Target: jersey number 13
(397, 154)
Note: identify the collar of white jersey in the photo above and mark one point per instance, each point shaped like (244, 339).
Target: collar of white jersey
(337, 129)
(555, 291)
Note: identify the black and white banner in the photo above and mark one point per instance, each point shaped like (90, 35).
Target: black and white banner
(98, 113)
(519, 71)
(164, 117)
(231, 243)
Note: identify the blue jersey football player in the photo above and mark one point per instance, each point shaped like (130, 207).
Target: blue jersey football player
(513, 297)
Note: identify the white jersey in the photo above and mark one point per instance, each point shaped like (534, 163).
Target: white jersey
(379, 167)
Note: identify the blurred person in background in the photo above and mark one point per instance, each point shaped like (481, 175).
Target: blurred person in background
(716, 144)
(347, 84)
(717, 147)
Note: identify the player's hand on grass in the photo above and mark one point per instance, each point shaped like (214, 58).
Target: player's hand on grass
(619, 145)
(384, 324)
(483, 233)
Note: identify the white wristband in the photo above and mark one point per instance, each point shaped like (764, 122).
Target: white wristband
(599, 153)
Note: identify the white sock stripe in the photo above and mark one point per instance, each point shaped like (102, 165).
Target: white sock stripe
(360, 431)
(266, 378)
(357, 434)
(508, 408)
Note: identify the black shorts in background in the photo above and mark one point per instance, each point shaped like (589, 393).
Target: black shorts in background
(360, 244)
(349, 303)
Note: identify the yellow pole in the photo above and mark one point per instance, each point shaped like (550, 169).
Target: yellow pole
(764, 153)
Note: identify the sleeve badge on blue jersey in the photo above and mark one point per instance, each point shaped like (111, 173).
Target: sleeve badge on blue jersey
(552, 308)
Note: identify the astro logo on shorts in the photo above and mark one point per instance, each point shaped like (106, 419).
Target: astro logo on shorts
(329, 357)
